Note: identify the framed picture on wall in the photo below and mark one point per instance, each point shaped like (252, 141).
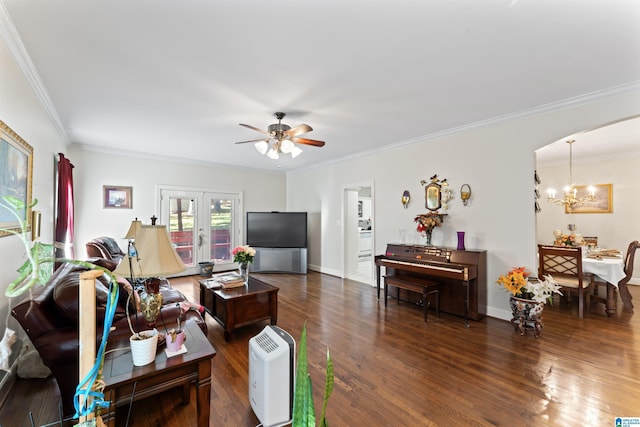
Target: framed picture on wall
(603, 202)
(117, 197)
(16, 177)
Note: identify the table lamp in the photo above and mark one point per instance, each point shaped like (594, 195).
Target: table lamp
(132, 252)
(155, 257)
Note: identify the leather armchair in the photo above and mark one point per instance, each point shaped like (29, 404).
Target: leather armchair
(50, 320)
(105, 247)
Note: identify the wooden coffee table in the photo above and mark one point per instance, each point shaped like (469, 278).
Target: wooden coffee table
(240, 306)
(125, 383)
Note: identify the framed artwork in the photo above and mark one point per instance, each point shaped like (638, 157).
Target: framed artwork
(117, 197)
(603, 202)
(16, 177)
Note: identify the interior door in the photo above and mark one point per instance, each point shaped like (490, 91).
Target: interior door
(358, 233)
(204, 226)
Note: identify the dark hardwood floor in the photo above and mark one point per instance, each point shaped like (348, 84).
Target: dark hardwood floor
(393, 369)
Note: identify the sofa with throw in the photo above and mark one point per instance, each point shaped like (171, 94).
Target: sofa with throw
(51, 318)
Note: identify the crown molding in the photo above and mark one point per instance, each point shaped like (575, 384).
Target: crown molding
(14, 43)
(564, 104)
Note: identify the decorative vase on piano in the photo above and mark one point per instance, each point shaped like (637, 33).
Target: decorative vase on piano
(460, 246)
(426, 223)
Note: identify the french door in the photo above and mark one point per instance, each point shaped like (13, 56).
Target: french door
(204, 225)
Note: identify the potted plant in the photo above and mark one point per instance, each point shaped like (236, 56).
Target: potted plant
(175, 336)
(528, 297)
(303, 407)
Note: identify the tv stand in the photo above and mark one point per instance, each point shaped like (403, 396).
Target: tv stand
(280, 260)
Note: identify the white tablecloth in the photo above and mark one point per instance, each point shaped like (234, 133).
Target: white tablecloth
(608, 269)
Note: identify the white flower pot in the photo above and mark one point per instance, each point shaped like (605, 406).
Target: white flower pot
(143, 351)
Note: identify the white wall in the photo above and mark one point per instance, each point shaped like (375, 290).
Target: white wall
(262, 191)
(498, 163)
(21, 110)
(614, 230)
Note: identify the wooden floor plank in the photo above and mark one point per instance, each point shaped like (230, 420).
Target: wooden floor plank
(393, 369)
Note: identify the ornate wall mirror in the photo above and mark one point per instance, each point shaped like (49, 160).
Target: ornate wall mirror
(433, 196)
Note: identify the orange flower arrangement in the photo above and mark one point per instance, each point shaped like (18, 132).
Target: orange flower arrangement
(517, 282)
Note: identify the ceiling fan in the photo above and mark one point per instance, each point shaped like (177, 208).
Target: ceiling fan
(281, 138)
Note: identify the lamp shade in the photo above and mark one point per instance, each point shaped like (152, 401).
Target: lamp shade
(156, 255)
(262, 147)
(133, 229)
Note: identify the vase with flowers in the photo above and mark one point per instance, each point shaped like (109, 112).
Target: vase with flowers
(243, 255)
(528, 297)
(565, 240)
(426, 223)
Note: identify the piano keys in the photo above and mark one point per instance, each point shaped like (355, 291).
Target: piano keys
(462, 275)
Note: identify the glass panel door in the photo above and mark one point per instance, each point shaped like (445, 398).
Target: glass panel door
(182, 227)
(204, 226)
(221, 229)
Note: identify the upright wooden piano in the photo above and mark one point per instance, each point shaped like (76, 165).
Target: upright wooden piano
(462, 275)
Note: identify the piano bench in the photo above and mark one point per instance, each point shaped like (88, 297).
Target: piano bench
(414, 284)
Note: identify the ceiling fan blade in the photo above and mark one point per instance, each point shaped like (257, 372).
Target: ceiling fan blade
(254, 128)
(306, 141)
(253, 140)
(298, 130)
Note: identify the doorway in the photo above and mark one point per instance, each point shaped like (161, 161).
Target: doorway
(358, 214)
(204, 225)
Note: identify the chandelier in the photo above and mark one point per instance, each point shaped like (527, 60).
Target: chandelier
(570, 198)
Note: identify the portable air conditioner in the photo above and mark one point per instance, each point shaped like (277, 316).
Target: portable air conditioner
(272, 376)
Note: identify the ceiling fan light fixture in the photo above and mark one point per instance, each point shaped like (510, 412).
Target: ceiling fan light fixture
(295, 151)
(273, 154)
(286, 146)
(262, 147)
(282, 138)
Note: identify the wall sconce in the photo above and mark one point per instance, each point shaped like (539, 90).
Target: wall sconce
(406, 198)
(465, 193)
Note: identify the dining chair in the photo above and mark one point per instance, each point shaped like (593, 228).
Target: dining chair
(564, 264)
(590, 240)
(628, 270)
(622, 284)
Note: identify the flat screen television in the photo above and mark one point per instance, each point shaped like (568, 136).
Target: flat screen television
(277, 229)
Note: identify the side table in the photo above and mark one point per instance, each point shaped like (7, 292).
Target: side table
(125, 383)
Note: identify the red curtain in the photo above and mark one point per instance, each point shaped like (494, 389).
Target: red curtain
(64, 213)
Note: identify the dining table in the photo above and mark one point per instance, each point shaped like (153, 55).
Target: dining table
(610, 270)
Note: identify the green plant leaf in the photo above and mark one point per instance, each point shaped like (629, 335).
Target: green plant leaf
(328, 389)
(38, 267)
(36, 270)
(303, 410)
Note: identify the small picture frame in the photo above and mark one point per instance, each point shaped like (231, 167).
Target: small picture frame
(603, 202)
(117, 197)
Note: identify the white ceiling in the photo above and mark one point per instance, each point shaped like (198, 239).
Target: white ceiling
(176, 77)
